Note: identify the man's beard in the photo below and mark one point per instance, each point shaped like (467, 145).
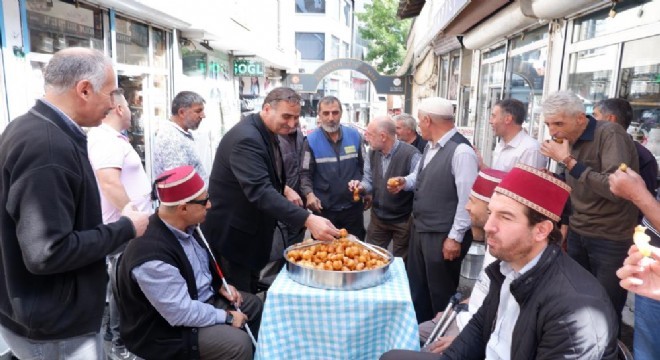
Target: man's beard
(330, 128)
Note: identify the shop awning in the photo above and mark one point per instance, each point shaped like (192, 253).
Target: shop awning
(409, 8)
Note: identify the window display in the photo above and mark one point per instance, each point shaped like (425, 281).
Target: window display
(55, 25)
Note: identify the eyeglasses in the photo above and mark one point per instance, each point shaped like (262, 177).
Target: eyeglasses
(202, 202)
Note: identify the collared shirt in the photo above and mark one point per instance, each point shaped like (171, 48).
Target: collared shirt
(108, 148)
(367, 182)
(522, 148)
(167, 290)
(464, 167)
(72, 124)
(175, 147)
(508, 310)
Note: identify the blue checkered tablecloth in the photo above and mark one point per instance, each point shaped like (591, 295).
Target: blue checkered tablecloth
(301, 322)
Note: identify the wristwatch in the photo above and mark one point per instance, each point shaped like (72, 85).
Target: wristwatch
(229, 318)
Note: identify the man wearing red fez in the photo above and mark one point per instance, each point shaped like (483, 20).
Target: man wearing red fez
(249, 193)
(541, 304)
(477, 207)
(171, 302)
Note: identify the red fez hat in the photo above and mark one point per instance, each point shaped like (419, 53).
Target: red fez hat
(179, 185)
(536, 190)
(486, 183)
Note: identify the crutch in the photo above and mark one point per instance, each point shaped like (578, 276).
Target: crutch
(452, 302)
(224, 282)
(454, 312)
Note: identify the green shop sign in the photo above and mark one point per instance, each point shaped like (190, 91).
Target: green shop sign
(248, 68)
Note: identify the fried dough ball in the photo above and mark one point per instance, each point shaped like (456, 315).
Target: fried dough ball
(339, 255)
(343, 233)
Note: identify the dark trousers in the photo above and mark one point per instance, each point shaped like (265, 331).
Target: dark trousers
(351, 219)
(602, 258)
(227, 342)
(241, 277)
(380, 233)
(433, 280)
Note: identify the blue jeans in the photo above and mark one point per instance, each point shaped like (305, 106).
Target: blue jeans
(602, 258)
(86, 347)
(647, 328)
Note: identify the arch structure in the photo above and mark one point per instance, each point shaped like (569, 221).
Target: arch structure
(307, 83)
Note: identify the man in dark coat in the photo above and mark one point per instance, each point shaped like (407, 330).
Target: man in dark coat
(541, 304)
(53, 242)
(246, 188)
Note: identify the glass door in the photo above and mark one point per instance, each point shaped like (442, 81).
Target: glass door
(133, 86)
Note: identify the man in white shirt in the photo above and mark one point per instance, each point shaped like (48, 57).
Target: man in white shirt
(515, 146)
(174, 144)
(440, 233)
(121, 179)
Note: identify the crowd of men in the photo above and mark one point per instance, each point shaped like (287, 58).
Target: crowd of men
(185, 272)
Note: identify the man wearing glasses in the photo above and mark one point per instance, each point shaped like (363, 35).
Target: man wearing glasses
(249, 193)
(169, 293)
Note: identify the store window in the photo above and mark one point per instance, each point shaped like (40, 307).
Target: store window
(443, 74)
(56, 25)
(454, 75)
(160, 48)
(640, 85)
(629, 14)
(311, 46)
(524, 79)
(310, 6)
(132, 42)
(590, 74)
(490, 91)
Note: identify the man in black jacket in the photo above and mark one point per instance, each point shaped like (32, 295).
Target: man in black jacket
(541, 304)
(171, 302)
(53, 243)
(246, 187)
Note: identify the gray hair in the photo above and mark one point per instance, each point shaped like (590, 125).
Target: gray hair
(563, 103)
(329, 100)
(408, 121)
(69, 66)
(185, 99)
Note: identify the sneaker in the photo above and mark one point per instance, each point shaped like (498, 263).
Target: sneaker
(121, 353)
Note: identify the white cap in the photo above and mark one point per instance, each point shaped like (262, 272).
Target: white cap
(436, 106)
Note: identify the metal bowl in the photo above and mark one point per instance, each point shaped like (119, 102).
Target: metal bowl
(336, 280)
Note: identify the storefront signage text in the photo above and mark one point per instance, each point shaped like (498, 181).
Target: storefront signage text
(248, 68)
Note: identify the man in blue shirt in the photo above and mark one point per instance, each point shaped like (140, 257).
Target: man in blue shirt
(170, 297)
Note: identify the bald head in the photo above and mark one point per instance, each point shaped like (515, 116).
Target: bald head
(381, 133)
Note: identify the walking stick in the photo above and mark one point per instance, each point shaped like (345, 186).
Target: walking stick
(224, 282)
